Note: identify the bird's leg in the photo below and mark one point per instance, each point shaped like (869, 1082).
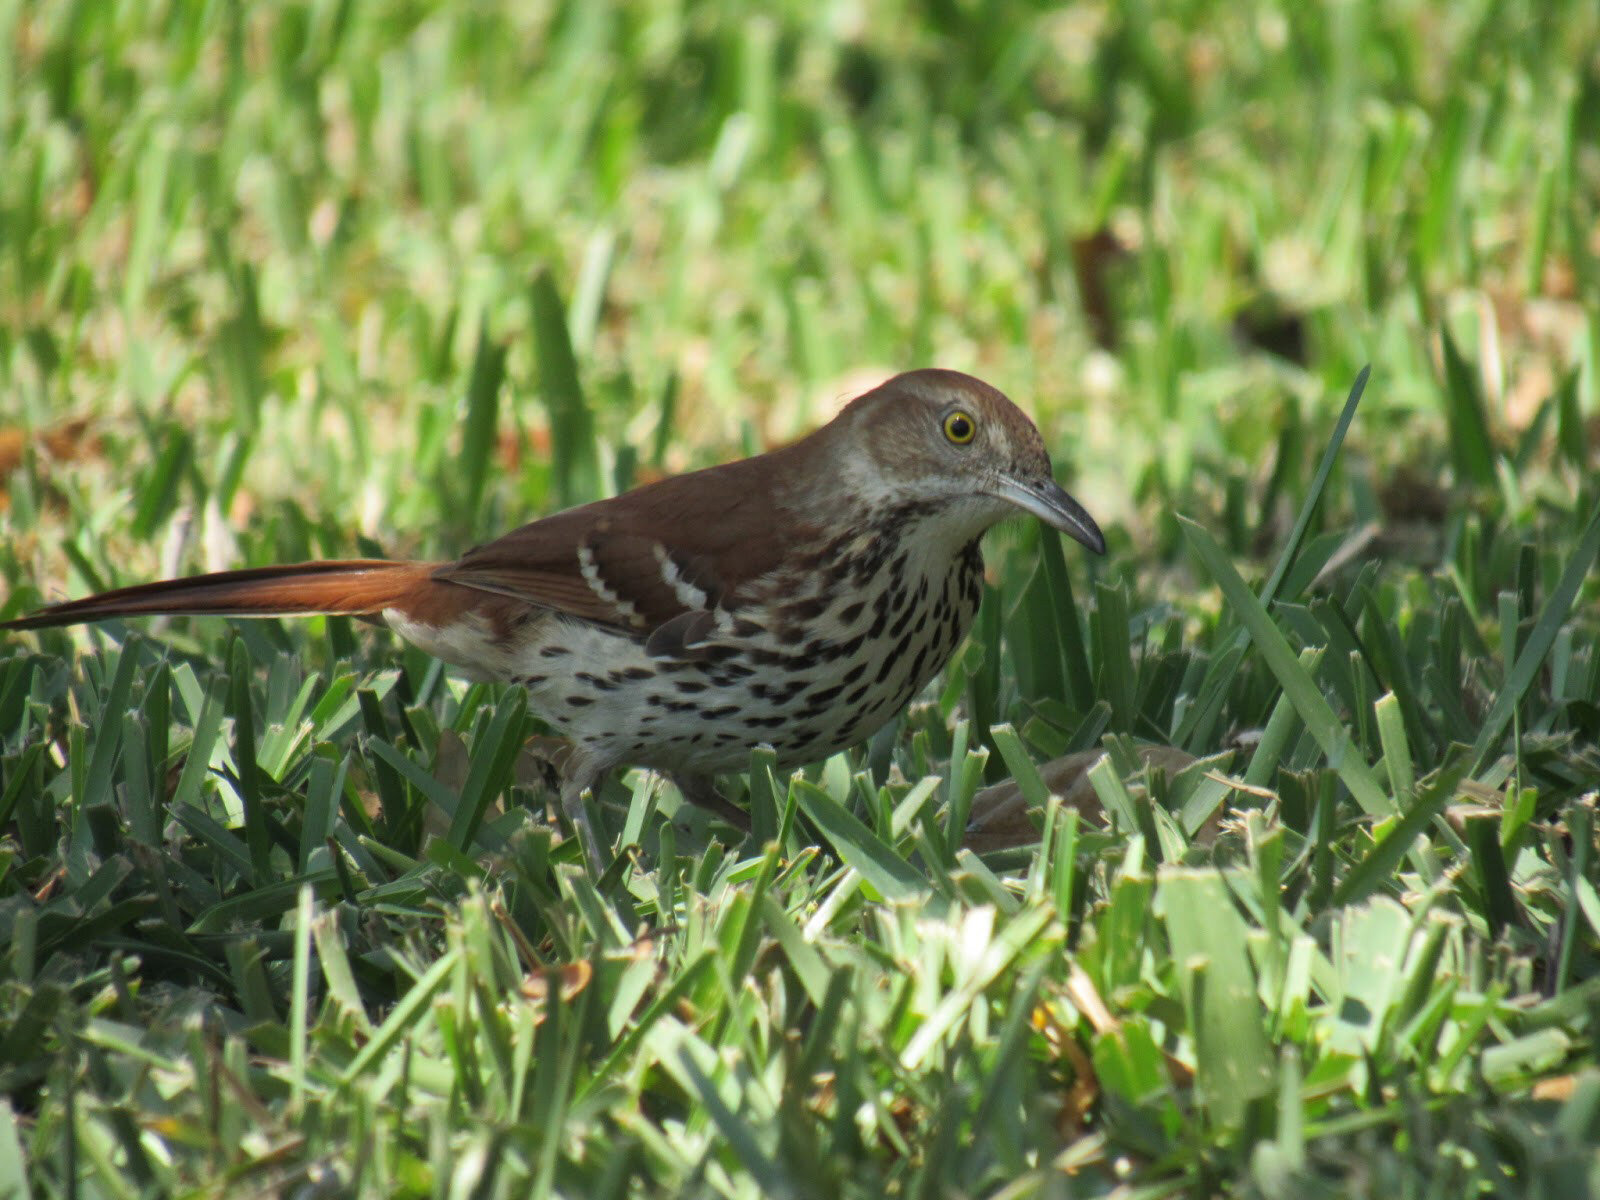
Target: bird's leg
(701, 790)
(557, 765)
(543, 762)
(581, 776)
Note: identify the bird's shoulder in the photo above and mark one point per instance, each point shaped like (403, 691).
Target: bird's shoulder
(637, 561)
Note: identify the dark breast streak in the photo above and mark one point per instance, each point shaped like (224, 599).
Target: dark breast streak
(815, 659)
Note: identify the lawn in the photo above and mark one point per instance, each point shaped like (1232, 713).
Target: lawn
(284, 909)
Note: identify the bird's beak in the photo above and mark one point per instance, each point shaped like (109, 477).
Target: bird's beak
(1049, 501)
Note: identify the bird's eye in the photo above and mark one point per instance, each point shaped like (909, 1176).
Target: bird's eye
(959, 427)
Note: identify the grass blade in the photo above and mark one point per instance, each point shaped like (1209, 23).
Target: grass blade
(1471, 444)
(574, 463)
(1343, 755)
(1185, 735)
(859, 847)
(1531, 660)
(477, 456)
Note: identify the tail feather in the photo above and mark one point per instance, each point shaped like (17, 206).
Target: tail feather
(353, 587)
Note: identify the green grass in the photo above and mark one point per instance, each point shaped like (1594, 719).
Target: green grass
(281, 908)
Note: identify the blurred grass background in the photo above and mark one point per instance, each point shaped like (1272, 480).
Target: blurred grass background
(1169, 231)
(317, 278)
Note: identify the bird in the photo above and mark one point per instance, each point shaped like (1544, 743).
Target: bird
(797, 599)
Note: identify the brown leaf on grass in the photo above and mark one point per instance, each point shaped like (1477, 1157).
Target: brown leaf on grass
(1000, 817)
(512, 447)
(1064, 1038)
(903, 1112)
(565, 981)
(1273, 327)
(1411, 494)
(1081, 1094)
(1086, 998)
(45, 890)
(66, 442)
(1093, 257)
(1558, 1088)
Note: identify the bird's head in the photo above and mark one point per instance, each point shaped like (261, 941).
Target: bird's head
(951, 440)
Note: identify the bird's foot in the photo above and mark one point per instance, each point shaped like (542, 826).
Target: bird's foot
(701, 791)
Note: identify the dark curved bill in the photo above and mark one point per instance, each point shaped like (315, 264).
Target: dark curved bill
(1050, 503)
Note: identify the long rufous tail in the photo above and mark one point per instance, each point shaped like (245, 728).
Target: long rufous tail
(354, 587)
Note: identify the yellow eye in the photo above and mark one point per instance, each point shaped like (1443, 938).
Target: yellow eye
(959, 427)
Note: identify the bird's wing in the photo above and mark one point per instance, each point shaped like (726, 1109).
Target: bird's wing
(638, 562)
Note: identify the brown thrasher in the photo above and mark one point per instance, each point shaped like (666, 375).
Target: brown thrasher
(796, 599)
